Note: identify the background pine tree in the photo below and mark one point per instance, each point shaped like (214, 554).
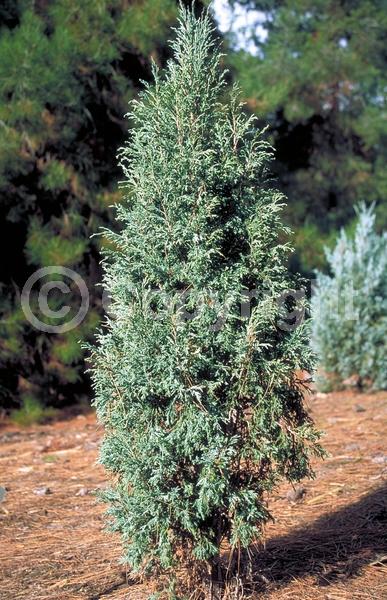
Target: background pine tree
(202, 407)
(67, 71)
(318, 77)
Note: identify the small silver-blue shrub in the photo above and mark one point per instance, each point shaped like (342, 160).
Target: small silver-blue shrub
(349, 307)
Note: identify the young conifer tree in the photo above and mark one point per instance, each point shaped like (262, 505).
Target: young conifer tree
(201, 403)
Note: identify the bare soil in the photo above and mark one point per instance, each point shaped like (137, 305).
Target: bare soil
(328, 542)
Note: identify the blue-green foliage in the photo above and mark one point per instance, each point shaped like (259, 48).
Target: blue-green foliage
(350, 306)
(201, 420)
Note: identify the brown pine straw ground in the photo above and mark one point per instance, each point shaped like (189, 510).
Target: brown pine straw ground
(330, 544)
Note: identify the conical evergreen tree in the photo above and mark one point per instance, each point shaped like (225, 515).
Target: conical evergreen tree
(202, 405)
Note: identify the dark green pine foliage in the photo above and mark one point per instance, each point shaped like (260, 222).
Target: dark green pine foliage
(202, 407)
(67, 71)
(319, 78)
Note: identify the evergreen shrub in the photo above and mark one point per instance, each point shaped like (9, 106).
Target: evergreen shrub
(202, 402)
(349, 305)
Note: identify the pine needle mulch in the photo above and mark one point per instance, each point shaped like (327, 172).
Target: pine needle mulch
(328, 542)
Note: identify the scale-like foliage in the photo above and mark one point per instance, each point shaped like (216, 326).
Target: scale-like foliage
(350, 307)
(202, 405)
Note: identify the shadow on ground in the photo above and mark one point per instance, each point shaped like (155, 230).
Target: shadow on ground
(334, 547)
